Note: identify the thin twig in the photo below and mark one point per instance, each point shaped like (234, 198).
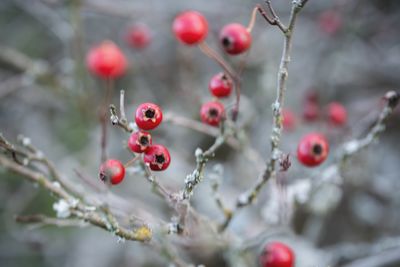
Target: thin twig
(273, 21)
(122, 105)
(131, 161)
(250, 153)
(159, 189)
(354, 146)
(216, 178)
(77, 208)
(120, 121)
(193, 179)
(103, 119)
(28, 153)
(41, 219)
(98, 187)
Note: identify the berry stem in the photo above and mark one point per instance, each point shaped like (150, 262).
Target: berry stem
(122, 105)
(253, 18)
(131, 161)
(103, 118)
(235, 77)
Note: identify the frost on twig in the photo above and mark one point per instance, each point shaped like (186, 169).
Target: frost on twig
(193, 179)
(62, 209)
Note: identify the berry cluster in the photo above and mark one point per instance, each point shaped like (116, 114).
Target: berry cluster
(191, 28)
(335, 113)
(313, 148)
(147, 117)
(107, 61)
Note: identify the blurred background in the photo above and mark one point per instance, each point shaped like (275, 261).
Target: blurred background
(346, 51)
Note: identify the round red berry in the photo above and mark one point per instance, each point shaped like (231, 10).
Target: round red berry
(330, 22)
(311, 111)
(337, 114)
(138, 36)
(220, 85)
(158, 158)
(288, 120)
(313, 149)
(148, 116)
(139, 142)
(106, 60)
(112, 171)
(277, 254)
(212, 113)
(311, 96)
(235, 38)
(190, 27)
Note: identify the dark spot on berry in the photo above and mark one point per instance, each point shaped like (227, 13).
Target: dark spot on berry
(317, 149)
(144, 140)
(160, 159)
(103, 176)
(226, 42)
(150, 113)
(213, 113)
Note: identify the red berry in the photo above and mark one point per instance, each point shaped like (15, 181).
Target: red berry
(277, 254)
(112, 171)
(190, 27)
(220, 85)
(139, 142)
(212, 112)
(330, 22)
(337, 113)
(138, 36)
(158, 158)
(148, 116)
(106, 60)
(311, 111)
(235, 38)
(313, 149)
(288, 120)
(311, 96)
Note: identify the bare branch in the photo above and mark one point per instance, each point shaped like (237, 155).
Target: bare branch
(77, 207)
(193, 179)
(248, 197)
(43, 220)
(121, 120)
(275, 21)
(354, 146)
